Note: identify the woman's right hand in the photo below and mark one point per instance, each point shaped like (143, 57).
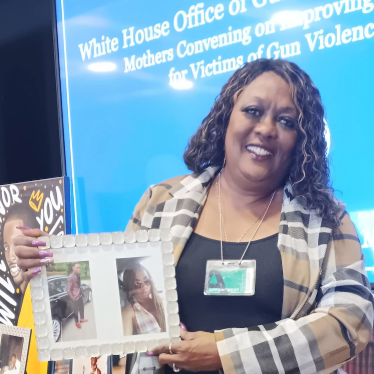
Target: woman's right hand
(30, 258)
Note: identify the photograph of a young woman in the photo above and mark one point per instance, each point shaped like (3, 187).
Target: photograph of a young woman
(144, 312)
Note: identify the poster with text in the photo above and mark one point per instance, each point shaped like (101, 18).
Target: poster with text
(38, 204)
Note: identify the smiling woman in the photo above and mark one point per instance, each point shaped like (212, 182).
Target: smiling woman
(258, 221)
(144, 313)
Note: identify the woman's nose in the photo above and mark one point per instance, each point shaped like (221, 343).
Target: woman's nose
(266, 128)
(12, 254)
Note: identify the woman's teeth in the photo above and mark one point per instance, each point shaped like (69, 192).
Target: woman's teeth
(259, 151)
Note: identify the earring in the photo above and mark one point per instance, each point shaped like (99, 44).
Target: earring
(224, 162)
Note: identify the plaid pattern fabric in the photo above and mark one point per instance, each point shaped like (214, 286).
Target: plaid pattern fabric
(327, 309)
(145, 322)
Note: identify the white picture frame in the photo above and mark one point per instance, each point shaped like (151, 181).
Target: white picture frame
(106, 254)
(15, 341)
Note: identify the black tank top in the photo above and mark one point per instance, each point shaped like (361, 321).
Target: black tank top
(209, 313)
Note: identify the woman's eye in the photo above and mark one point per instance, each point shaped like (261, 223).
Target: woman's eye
(287, 122)
(253, 112)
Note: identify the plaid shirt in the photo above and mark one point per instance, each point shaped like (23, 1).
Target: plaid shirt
(327, 311)
(145, 322)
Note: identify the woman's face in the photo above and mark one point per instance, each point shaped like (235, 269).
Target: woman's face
(142, 286)
(261, 134)
(10, 232)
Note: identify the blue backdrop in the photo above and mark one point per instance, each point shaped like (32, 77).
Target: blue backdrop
(128, 116)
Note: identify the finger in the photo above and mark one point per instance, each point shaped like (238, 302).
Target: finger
(28, 241)
(175, 347)
(31, 263)
(165, 359)
(30, 273)
(23, 252)
(186, 335)
(34, 233)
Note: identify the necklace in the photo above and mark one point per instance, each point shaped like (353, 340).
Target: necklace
(221, 219)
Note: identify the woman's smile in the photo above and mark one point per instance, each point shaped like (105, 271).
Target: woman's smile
(259, 153)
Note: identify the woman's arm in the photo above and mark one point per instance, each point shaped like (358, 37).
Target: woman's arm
(336, 330)
(127, 318)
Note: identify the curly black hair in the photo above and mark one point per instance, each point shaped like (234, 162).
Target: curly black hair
(309, 171)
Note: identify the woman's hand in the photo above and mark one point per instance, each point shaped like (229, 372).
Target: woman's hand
(30, 258)
(197, 352)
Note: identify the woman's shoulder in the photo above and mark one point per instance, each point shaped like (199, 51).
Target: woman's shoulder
(170, 183)
(152, 197)
(128, 310)
(161, 191)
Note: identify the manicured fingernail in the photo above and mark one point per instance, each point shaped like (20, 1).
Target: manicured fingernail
(47, 261)
(37, 243)
(36, 271)
(183, 326)
(43, 254)
(23, 228)
(149, 354)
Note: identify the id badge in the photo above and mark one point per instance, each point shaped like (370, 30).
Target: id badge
(228, 278)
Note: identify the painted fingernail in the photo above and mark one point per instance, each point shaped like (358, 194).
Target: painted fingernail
(47, 261)
(183, 326)
(43, 254)
(149, 354)
(23, 228)
(36, 271)
(37, 243)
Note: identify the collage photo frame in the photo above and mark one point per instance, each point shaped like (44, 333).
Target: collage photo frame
(108, 293)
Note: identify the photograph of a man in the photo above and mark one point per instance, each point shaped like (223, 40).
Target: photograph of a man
(10, 354)
(13, 367)
(71, 301)
(75, 293)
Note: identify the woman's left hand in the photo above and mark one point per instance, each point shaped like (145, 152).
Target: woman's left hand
(196, 352)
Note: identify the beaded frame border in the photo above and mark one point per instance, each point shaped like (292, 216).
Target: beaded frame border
(92, 243)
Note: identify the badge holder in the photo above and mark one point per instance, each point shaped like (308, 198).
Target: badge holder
(230, 278)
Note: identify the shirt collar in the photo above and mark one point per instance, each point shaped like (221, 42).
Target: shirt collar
(198, 182)
(195, 182)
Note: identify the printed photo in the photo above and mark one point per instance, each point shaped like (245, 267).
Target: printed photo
(71, 300)
(119, 364)
(93, 365)
(10, 354)
(62, 367)
(24, 205)
(141, 290)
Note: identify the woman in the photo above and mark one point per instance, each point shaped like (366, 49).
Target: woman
(260, 191)
(16, 217)
(145, 312)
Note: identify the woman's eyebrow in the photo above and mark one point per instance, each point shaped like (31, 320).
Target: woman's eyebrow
(288, 109)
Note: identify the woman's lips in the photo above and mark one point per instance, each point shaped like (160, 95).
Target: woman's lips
(259, 153)
(14, 270)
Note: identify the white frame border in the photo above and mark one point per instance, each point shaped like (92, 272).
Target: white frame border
(72, 242)
(21, 332)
